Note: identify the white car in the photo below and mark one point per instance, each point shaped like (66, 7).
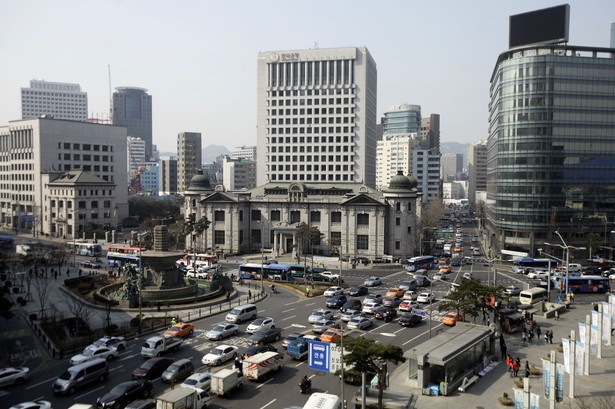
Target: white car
(369, 307)
(425, 298)
(318, 315)
(93, 352)
(199, 380)
(538, 275)
(260, 323)
(350, 314)
(360, 323)
(330, 276)
(116, 342)
(13, 375)
(220, 354)
(372, 282)
(203, 275)
(410, 295)
(408, 305)
(331, 291)
(39, 404)
(467, 275)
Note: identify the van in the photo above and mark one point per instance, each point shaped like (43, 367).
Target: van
(574, 268)
(319, 400)
(178, 371)
(533, 296)
(96, 370)
(409, 284)
(422, 281)
(242, 313)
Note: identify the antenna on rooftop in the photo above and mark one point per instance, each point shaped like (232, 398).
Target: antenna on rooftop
(110, 96)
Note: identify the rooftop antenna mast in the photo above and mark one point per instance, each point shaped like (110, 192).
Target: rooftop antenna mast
(110, 96)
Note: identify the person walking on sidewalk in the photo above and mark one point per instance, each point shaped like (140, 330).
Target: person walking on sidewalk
(551, 337)
(527, 368)
(503, 349)
(537, 333)
(524, 338)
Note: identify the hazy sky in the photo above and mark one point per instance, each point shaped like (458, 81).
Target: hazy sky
(198, 58)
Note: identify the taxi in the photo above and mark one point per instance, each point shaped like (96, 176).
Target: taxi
(394, 292)
(445, 269)
(181, 329)
(451, 318)
(330, 335)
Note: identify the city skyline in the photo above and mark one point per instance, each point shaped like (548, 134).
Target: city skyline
(198, 60)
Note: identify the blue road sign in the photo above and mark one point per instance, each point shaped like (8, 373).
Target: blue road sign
(319, 355)
(419, 313)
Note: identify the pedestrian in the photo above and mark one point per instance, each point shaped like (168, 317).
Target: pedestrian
(67, 271)
(556, 315)
(509, 362)
(503, 349)
(530, 336)
(249, 294)
(55, 275)
(515, 369)
(571, 296)
(538, 331)
(547, 336)
(307, 291)
(527, 368)
(551, 337)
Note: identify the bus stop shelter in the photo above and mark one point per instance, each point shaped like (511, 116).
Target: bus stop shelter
(442, 362)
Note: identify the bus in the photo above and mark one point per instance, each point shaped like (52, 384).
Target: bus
(84, 248)
(525, 263)
(6, 243)
(420, 263)
(197, 260)
(299, 270)
(253, 271)
(119, 255)
(533, 296)
(584, 284)
(250, 271)
(319, 400)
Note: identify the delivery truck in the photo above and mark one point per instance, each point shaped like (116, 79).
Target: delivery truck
(23, 250)
(260, 365)
(158, 345)
(297, 349)
(226, 381)
(183, 398)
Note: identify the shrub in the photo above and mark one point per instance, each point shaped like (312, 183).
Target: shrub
(505, 400)
(110, 329)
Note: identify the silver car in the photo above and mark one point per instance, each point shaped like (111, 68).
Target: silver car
(12, 375)
(360, 323)
(222, 330)
(323, 325)
(318, 315)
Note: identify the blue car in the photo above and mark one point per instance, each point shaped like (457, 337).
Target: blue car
(337, 301)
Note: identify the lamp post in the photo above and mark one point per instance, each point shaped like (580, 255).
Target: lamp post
(75, 225)
(567, 248)
(139, 283)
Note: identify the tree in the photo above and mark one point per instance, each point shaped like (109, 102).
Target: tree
(430, 219)
(80, 310)
(42, 287)
(594, 242)
(195, 228)
(308, 237)
(470, 298)
(368, 356)
(58, 256)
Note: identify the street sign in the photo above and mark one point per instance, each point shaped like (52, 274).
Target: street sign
(319, 355)
(419, 313)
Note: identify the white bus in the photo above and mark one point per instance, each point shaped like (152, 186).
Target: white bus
(84, 248)
(533, 296)
(320, 400)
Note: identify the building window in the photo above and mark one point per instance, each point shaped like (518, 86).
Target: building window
(295, 216)
(255, 234)
(241, 215)
(219, 237)
(397, 206)
(363, 219)
(409, 206)
(397, 221)
(335, 238)
(397, 245)
(219, 215)
(362, 242)
(315, 217)
(256, 216)
(336, 217)
(275, 216)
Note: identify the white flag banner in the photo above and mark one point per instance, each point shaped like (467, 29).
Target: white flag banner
(593, 340)
(579, 358)
(581, 333)
(534, 401)
(594, 317)
(606, 325)
(566, 351)
(518, 398)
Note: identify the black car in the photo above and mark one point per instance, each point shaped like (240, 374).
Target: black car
(353, 304)
(409, 320)
(392, 302)
(385, 313)
(257, 350)
(336, 301)
(358, 290)
(265, 336)
(152, 368)
(124, 393)
(315, 278)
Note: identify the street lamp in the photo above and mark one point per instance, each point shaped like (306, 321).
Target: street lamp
(567, 248)
(76, 214)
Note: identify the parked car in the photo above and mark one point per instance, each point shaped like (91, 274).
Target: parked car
(425, 298)
(14, 375)
(358, 290)
(377, 298)
(250, 351)
(260, 323)
(392, 302)
(408, 305)
(320, 314)
(369, 307)
(331, 291)
(198, 380)
(181, 329)
(512, 290)
(124, 393)
(350, 314)
(394, 292)
(409, 320)
(372, 282)
(360, 322)
(116, 342)
(385, 313)
(265, 336)
(152, 368)
(321, 326)
(352, 304)
(336, 301)
(220, 354)
(93, 352)
(222, 330)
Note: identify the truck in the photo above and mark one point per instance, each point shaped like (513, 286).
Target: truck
(158, 345)
(183, 398)
(260, 365)
(297, 349)
(225, 381)
(23, 250)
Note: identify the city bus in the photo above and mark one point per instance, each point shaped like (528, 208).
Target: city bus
(119, 255)
(197, 260)
(84, 248)
(279, 272)
(6, 242)
(253, 271)
(299, 270)
(420, 263)
(524, 263)
(250, 271)
(584, 284)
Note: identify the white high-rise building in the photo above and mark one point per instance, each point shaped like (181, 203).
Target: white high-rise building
(136, 155)
(426, 170)
(477, 169)
(59, 99)
(244, 152)
(316, 116)
(394, 153)
(189, 158)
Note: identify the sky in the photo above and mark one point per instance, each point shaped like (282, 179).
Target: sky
(198, 58)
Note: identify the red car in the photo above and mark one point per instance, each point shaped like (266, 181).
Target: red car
(152, 368)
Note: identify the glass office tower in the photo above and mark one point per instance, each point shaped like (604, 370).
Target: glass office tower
(551, 148)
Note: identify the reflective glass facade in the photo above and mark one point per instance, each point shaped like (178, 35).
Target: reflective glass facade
(551, 147)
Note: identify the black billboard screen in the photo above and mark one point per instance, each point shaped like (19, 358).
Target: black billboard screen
(538, 27)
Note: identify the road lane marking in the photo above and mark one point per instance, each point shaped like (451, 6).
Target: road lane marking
(399, 330)
(116, 368)
(289, 310)
(307, 305)
(299, 364)
(262, 407)
(423, 333)
(288, 318)
(40, 383)
(128, 357)
(265, 383)
(87, 393)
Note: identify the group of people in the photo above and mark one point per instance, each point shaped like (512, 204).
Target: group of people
(515, 364)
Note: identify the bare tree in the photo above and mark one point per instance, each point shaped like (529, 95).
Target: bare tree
(42, 288)
(79, 310)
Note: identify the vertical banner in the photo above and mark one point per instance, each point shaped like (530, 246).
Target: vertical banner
(612, 302)
(581, 333)
(559, 382)
(518, 398)
(593, 339)
(579, 358)
(566, 351)
(534, 401)
(606, 321)
(594, 318)
(546, 377)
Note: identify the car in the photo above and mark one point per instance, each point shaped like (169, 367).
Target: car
(331, 291)
(336, 301)
(410, 295)
(372, 282)
(314, 277)
(220, 354)
(439, 277)
(14, 375)
(332, 277)
(358, 290)
(93, 352)
(385, 313)
(330, 335)
(467, 275)
(456, 262)
(350, 314)
(116, 342)
(152, 368)
(222, 330)
(352, 304)
(198, 380)
(445, 269)
(250, 351)
(512, 290)
(260, 323)
(124, 393)
(377, 298)
(538, 275)
(321, 326)
(408, 305)
(181, 329)
(320, 314)
(425, 298)
(392, 302)
(369, 307)
(394, 292)
(90, 264)
(409, 320)
(201, 274)
(451, 318)
(291, 337)
(265, 336)
(407, 285)
(39, 404)
(422, 281)
(360, 322)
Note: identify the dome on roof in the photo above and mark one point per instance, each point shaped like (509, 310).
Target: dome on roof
(401, 182)
(199, 181)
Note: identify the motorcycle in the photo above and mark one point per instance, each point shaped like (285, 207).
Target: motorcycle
(273, 289)
(305, 386)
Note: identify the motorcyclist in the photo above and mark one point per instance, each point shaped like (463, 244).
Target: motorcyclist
(272, 288)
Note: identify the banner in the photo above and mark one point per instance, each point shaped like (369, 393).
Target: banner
(579, 358)
(559, 382)
(606, 321)
(594, 318)
(612, 302)
(518, 398)
(546, 377)
(593, 340)
(566, 351)
(534, 401)
(581, 333)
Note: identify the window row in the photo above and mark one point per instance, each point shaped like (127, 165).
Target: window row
(302, 130)
(85, 147)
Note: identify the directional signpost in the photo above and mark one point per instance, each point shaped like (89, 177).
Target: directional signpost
(319, 355)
